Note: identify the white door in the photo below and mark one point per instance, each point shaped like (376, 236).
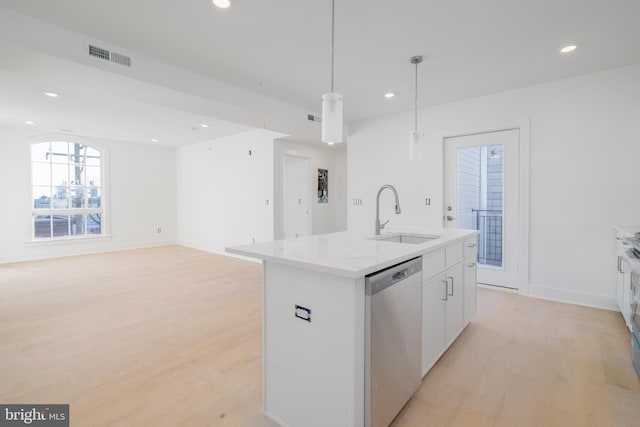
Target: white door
(296, 196)
(481, 193)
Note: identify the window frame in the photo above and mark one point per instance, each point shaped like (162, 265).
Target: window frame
(103, 210)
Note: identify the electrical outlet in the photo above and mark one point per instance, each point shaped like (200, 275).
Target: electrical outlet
(427, 201)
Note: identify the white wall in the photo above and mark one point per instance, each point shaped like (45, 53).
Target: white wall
(223, 191)
(325, 217)
(585, 148)
(141, 197)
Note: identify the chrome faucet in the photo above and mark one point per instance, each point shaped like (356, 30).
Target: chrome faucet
(378, 225)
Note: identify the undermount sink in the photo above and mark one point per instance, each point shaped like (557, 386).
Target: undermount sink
(410, 238)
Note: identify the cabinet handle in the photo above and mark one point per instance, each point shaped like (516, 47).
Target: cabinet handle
(446, 290)
(619, 264)
(473, 264)
(451, 278)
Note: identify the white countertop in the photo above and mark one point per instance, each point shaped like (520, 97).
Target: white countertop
(628, 230)
(346, 253)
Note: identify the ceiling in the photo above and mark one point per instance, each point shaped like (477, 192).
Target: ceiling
(92, 113)
(281, 48)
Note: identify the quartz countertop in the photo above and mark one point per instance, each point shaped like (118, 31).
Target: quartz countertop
(628, 230)
(349, 253)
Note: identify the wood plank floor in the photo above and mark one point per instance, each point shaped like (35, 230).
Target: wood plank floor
(172, 337)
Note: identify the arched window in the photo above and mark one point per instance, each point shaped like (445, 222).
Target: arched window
(67, 190)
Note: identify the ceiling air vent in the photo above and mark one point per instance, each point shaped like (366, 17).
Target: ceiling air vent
(107, 55)
(121, 59)
(313, 118)
(99, 52)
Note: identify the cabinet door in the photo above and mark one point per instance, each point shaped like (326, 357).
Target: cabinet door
(620, 276)
(626, 292)
(470, 291)
(620, 284)
(454, 321)
(433, 306)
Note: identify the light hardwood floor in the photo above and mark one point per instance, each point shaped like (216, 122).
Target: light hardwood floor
(172, 337)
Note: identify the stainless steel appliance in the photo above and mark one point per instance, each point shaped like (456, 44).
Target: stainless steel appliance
(393, 340)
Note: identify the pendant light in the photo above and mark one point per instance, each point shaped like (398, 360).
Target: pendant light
(332, 102)
(414, 136)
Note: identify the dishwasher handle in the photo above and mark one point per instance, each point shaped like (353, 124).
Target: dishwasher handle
(400, 275)
(381, 280)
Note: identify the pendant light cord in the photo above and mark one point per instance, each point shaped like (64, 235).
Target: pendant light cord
(416, 102)
(333, 16)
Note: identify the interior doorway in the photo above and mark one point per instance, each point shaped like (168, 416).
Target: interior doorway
(296, 203)
(482, 193)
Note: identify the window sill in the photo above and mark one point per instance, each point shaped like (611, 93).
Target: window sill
(67, 240)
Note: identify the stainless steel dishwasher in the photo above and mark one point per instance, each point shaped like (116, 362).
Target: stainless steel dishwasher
(393, 340)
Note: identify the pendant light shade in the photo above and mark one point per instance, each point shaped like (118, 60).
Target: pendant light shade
(331, 118)
(414, 139)
(332, 102)
(414, 135)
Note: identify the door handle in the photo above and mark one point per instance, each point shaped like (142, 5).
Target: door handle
(472, 245)
(473, 264)
(450, 218)
(446, 290)
(451, 278)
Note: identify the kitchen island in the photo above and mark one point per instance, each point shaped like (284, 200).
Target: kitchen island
(314, 314)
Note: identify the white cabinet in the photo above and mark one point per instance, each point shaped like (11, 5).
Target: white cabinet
(442, 313)
(448, 297)
(470, 278)
(454, 321)
(623, 289)
(433, 314)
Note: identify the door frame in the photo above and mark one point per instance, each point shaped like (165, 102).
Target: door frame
(286, 154)
(524, 128)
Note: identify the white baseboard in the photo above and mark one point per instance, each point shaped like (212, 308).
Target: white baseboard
(76, 248)
(574, 297)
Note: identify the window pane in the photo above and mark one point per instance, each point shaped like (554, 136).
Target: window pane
(59, 175)
(94, 224)
(77, 174)
(60, 152)
(60, 225)
(93, 197)
(41, 226)
(93, 157)
(41, 174)
(40, 152)
(93, 176)
(78, 197)
(78, 225)
(60, 198)
(42, 197)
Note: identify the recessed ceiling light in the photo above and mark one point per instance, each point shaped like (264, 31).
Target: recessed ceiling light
(51, 94)
(389, 95)
(204, 125)
(30, 122)
(568, 48)
(330, 143)
(154, 140)
(222, 3)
